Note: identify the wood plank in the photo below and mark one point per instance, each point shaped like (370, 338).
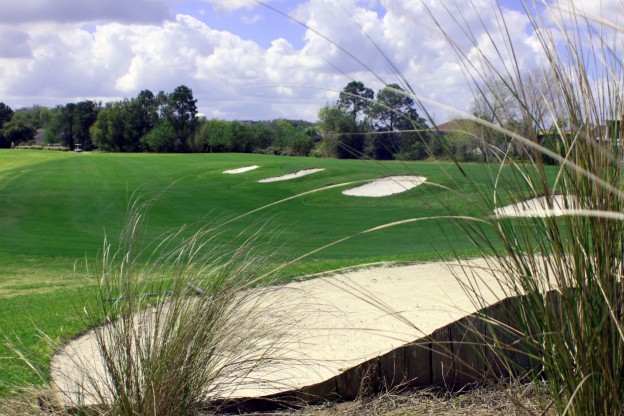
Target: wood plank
(361, 380)
(469, 350)
(418, 362)
(442, 365)
(393, 369)
(325, 391)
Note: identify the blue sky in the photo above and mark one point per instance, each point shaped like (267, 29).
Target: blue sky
(259, 24)
(242, 60)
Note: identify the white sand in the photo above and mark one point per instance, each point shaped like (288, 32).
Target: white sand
(537, 207)
(241, 170)
(329, 323)
(290, 176)
(386, 186)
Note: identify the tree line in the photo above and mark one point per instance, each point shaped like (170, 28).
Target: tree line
(168, 122)
(360, 124)
(151, 123)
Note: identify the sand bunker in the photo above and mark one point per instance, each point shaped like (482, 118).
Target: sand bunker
(538, 207)
(329, 323)
(289, 176)
(386, 186)
(241, 170)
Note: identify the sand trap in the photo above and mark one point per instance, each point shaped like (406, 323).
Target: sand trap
(386, 186)
(328, 322)
(241, 170)
(289, 176)
(538, 207)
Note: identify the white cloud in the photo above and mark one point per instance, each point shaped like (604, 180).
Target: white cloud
(14, 44)
(63, 61)
(611, 10)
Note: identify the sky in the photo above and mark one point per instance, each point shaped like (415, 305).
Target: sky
(245, 60)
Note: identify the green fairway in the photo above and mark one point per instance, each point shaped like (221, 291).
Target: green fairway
(55, 209)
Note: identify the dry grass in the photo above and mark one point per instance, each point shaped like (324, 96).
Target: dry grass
(480, 401)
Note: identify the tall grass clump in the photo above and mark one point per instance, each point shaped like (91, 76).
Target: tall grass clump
(565, 266)
(176, 324)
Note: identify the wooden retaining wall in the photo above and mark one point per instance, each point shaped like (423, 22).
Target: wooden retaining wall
(479, 346)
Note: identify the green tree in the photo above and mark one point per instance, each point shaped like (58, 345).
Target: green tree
(342, 136)
(356, 99)
(116, 128)
(72, 123)
(36, 117)
(16, 132)
(401, 131)
(258, 136)
(145, 108)
(161, 138)
(182, 114)
(6, 113)
(214, 136)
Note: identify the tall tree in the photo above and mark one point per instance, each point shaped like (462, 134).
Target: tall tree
(146, 111)
(391, 108)
(182, 114)
(356, 99)
(342, 136)
(72, 122)
(394, 112)
(6, 113)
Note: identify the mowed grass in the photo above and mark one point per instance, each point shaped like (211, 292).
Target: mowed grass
(56, 208)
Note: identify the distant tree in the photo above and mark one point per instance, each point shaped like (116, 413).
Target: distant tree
(161, 138)
(342, 136)
(36, 117)
(401, 131)
(85, 114)
(242, 140)
(6, 113)
(116, 128)
(215, 135)
(356, 99)
(258, 136)
(72, 123)
(145, 107)
(16, 132)
(182, 115)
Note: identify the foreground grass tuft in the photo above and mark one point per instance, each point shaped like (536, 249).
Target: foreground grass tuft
(172, 331)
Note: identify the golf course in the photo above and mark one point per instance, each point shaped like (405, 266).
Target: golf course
(57, 208)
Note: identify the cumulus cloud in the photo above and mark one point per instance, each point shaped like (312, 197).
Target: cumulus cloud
(14, 44)
(370, 45)
(610, 10)
(238, 78)
(68, 11)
